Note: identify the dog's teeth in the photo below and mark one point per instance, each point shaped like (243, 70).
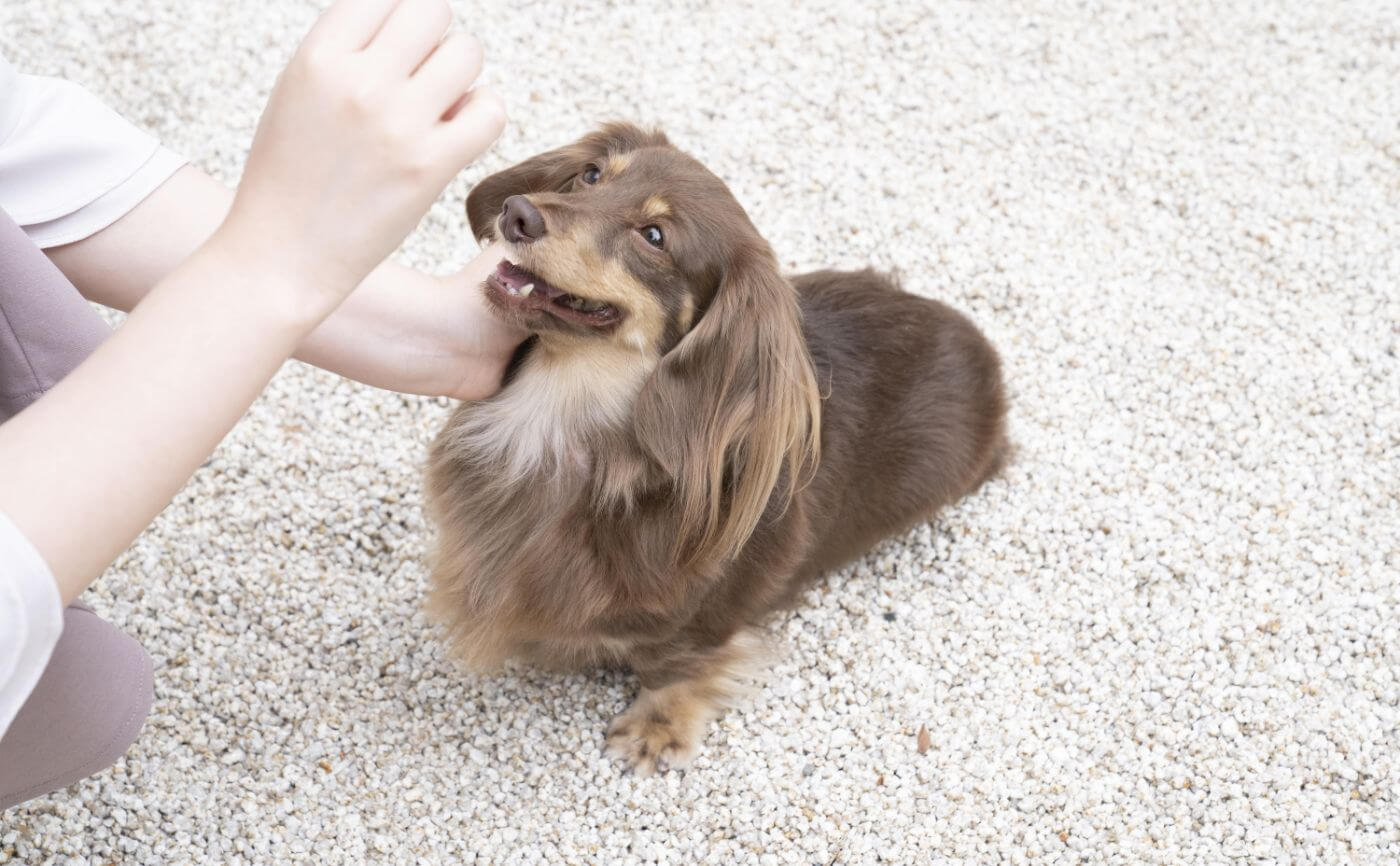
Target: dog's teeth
(526, 289)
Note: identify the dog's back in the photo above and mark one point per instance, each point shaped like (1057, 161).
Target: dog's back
(913, 410)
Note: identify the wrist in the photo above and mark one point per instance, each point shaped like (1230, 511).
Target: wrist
(277, 283)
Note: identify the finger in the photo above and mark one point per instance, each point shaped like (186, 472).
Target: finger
(448, 73)
(410, 34)
(352, 23)
(474, 126)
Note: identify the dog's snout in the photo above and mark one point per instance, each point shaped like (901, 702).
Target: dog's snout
(521, 222)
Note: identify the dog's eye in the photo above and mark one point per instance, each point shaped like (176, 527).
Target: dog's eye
(653, 236)
(591, 173)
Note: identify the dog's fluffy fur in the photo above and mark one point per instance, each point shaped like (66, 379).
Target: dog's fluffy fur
(689, 438)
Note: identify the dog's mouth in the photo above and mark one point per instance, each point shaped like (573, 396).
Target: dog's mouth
(517, 288)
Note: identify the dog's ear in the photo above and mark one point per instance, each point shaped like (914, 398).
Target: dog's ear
(551, 171)
(732, 413)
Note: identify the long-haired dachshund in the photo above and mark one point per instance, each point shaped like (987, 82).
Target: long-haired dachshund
(689, 438)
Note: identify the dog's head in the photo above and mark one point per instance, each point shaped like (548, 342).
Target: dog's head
(621, 241)
(617, 237)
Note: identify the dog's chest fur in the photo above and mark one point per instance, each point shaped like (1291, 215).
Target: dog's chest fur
(550, 413)
(514, 484)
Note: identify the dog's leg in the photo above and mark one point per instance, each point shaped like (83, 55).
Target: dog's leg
(683, 689)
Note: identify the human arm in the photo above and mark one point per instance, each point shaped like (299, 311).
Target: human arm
(401, 329)
(355, 125)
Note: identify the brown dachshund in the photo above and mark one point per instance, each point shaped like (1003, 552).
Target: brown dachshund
(689, 438)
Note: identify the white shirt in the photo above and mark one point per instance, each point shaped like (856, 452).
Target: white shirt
(69, 167)
(31, 618)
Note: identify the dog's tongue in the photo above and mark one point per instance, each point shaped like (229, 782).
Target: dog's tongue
(511, 275)
(516, 278)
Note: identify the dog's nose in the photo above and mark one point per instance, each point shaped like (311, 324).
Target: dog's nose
(521, 222)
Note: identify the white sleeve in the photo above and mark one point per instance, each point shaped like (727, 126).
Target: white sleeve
(69, 165)
(31, 619)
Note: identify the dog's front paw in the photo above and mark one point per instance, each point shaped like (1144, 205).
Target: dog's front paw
(658, 732)
(664, 726)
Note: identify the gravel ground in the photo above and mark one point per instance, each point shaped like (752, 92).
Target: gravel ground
(1169, 634)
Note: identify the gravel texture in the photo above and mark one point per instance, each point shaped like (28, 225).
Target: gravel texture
(1169, 634)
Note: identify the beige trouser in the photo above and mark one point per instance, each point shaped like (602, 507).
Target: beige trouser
(96, 691)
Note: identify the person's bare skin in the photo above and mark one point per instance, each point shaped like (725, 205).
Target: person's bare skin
(372, 117)
(401, 329)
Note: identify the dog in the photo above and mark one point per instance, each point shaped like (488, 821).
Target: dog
(688, 439)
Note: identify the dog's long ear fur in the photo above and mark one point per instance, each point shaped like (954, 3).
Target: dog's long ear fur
(551, 171)
(733, 412)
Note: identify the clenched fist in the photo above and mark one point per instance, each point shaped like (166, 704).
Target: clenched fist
(372, 117)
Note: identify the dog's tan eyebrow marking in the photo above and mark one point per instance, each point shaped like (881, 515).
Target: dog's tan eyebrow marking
(686, 315)
(656, 206)
(618, 162)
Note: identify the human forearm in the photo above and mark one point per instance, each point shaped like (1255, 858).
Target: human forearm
(405, 331)
(118, 265)
(372, 117)
(93, 462)
(401, 329)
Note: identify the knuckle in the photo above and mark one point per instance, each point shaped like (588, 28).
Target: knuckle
(454, 62)
(362, 99)
(492, 107)
(319, 63)
(397, 142)
(467, 46)
(434, 14)
(458, 62)
(418, 165)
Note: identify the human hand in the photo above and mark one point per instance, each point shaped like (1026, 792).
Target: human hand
(479, 343)
(369, 121)
(416, 333)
